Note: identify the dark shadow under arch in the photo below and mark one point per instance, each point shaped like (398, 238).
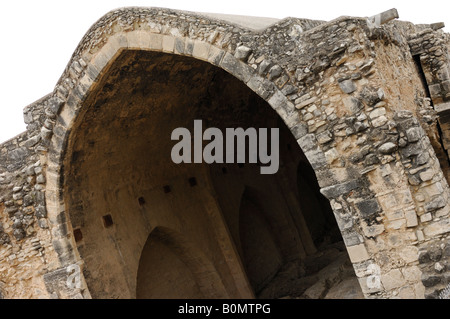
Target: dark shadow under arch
(315, 207)
(261, 254)
(172, 267)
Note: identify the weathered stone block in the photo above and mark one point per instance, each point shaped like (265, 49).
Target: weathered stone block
(264, 67)
(427, 175)
(396, 224)
(345, 222)
(413, 134)
(201, 50)
(43, 223)
(282, 105)
(377, 112)
(167, 43)
(155, 41)
(411, 150)
(411, 218)
(435, 90)
(179, 45)
(324, 137)
(316, 158)
(425, 218)
(354, 105)
(331, 155)
(412, 274)
(422, 158)
(347, 86)
(373, 230)
(393, 279)
(368, 208)
(370, 284)
(134, 39)
(262, 87)
(340, 189)
(239, 69)
(436, 203)
(445, 86)
(32, 141)
(357, 253)
(274, 72)
(41, 212)
(437, 228)
(242, 53)
(305, 103)
(307, 142)
(406, 293)
(100, 61)
(387, 148)
(379, 121)
(299, 130)
(435, 253)
(289, 89)
(409, 254)
(430, 280)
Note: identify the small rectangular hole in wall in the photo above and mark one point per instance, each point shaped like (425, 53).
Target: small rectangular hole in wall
(107, 221)
(77, 235)
(141, 201)
(167, 189)
(224, 170)
(192, 181)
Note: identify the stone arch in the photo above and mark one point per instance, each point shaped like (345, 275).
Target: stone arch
(103, 59)
(200, 276)
(95, 67)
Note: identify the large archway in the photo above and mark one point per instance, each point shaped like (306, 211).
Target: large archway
(119, 184)
(126, 129)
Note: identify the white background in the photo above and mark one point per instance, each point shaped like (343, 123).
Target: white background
(37, 38)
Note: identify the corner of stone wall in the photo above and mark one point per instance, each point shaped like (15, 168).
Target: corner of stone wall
(384, 182)
(25, 239)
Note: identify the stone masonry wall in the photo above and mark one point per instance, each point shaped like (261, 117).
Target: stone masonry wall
(25, 241)
(382, 134)
(350, 93)
(431, 50)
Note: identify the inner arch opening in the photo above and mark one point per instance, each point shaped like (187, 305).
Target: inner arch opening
(172, 267)
(121, 187)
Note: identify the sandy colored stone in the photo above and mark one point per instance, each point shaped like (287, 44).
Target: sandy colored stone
(358, 253)
(392, 279)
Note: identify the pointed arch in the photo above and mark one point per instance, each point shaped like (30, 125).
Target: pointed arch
(171, 266)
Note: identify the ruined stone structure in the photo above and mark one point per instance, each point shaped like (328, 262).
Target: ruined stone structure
(362, 105)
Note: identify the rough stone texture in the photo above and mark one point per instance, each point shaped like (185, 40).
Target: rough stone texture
(366, 103)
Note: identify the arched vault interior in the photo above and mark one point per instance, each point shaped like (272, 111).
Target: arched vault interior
(146, 227)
